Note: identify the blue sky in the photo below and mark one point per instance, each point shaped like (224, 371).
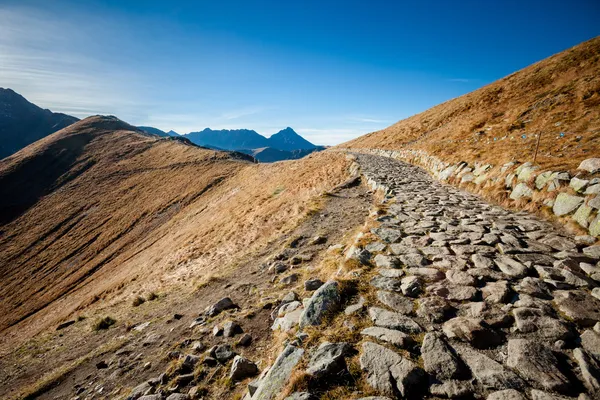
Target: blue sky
(332, 70)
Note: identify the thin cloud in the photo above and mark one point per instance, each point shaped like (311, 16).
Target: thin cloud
(461, 80)
(369, 120)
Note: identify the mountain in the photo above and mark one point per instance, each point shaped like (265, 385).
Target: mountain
(173, 133)
(558, 97)
(269, 154)
(287, 139)
(235, 139)
(22, 123)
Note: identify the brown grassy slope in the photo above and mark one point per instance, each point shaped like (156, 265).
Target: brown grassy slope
(558, 94)
(113, 207)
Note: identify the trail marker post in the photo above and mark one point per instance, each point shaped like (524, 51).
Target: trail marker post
(537, 146)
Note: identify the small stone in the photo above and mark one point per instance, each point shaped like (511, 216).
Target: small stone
(471, 330)
(392, 320)
(589, 370)
(385, 283)
(383, 261)
(392, 336)
(223, 353)
(460, 278)
(242, 368)
(290, 279)
(220, 306)
(396, 301)
(328, 359)
(245, 340)
(434, 309)
(452, 389)
(313, 284)
(411, 286)
(508, 394)
(354, 308)
(510, 267)
(591, 165)
(566, 204)
(496, 292)
(489, 373)
(230, 329)
(581, 307)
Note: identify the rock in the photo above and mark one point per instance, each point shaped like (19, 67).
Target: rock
(318, 240)
(389, 372)
(471, 330)
(581, 307)
(480, 261)
(140, 390)
(385, 283)
(328, 359)
(388, 235)
(224, 304)
(508, 394)
(391, 273)
(460, 293)
(428, 274)
(223, 353)
(489, 373)
(537, 364)
(578, 184)
(510, 267)
(392, 320)
(496, 292)
(288, 298)
(534, 320)
(361, 255)
(325, 300)
(413, 260)
(231, 328)
(383, 261)
(591, 165)
(392, 336)
(289, 321)
(590, 341)
(178, 396)
(589, 370)
(151, 397)
(582, 215)
(411, 286)
(313, 284)
(566, 204)
(278, 375)
(290, 279)
(458, 277)
(301, 396)
(354, 308)
(452, 389)
(395, 301)
(533, 287)
(592, 251)
(592, 189)
(542, 179)
(242, 368)
(433, 309)
(375, 247)
(520, 191)
(245, 340)
(439, 359)
(189, 362)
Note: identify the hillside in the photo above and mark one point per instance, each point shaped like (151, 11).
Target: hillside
(22, 123)
(558, 97)
(110, 213)
(269, 154)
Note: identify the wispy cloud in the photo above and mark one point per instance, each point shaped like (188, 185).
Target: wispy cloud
(461, 80)
(369, 120)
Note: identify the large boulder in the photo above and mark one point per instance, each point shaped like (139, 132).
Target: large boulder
(325, 300)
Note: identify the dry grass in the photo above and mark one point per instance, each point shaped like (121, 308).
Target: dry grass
(558, 94)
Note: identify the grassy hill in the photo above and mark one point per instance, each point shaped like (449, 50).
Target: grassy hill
(558, 98)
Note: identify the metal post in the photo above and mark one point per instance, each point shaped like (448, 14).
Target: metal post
(537, 146)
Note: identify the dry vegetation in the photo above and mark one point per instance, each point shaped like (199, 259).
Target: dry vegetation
(118, 214)
(560, 94)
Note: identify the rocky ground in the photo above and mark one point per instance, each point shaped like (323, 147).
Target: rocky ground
(465, 300)
(441, 296)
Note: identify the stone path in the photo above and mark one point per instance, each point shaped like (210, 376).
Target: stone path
(500, 304)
